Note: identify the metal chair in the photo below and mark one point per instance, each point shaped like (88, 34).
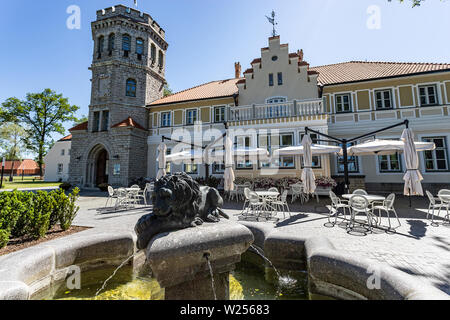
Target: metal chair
(246, 201)
(282, 204)
(297, 192)
(444, 196)
(359, 204)
(142, 194)
(434, 204)
(256, 204)
(337, 204)
(122, 198)
(387, 206)
(233, 193)
(111, 195)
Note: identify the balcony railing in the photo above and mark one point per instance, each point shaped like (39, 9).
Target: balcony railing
(294, 108)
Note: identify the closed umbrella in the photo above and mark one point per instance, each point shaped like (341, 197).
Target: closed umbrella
(229, 173)
(162, 148)
(308, 177)
(413, 177)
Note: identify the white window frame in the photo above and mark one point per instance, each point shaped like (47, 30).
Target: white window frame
(436, 87)
(188, 111)
(336, 104)
(60, 169)
(166, 122)
(215, 109)
(192, 165)
(383, 100)
(434, 159)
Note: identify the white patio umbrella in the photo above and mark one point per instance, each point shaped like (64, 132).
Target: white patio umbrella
(162, 149)
(308, 177)
(228, 176)
(413, 177)
(386, 147)
(260, 153)
(185, 156)
(316, 149)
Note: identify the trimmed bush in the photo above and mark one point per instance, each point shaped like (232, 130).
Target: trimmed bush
(4, 238)
(40, 219)
(68, 210)
(25, 213)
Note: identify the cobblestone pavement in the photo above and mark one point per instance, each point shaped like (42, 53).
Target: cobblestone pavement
(416, 247)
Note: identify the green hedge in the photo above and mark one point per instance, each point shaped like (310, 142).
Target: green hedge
(33, 214)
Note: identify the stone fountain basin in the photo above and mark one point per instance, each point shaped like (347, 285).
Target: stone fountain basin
(179, 257)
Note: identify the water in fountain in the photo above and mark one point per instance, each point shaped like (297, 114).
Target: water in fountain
(212, 275)
(283, 281)
(114, 273)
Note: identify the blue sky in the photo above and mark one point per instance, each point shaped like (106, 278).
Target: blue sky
(206, 37)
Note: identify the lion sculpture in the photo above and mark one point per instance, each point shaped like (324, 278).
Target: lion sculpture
(179, 202)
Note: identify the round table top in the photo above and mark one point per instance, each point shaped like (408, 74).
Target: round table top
(267, 193)
(369, 197)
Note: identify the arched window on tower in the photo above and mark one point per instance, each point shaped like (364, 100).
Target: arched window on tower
(153, 53)
(131, 88)
(126, 45)
(161, 60)
(139, 48)
(111, 43)
(101, 44)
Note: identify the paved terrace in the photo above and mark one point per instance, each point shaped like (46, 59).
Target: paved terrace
(416, 248)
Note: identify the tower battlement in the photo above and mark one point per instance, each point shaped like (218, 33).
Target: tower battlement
(139, 16)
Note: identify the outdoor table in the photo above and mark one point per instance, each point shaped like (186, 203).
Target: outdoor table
(268, 196)
(370, 198)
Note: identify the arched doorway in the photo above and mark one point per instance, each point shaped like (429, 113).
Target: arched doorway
(102, 167)
(97, 166)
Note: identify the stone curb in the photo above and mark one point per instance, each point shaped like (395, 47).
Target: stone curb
(28, 271)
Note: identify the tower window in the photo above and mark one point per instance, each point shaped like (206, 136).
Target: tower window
(161, 59)
(105, 120)
(140, 46)
(96, 124)
(153, 53)
(280, 78)
(126, 44)
(131, 88)
(111, 42)
(101, 44)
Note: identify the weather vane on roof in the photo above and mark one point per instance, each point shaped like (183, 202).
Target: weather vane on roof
(273, 22)
(136, 3)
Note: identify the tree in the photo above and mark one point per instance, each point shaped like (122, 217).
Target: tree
(167, 90)
(80, 120)
(12, 141)
(42, 114)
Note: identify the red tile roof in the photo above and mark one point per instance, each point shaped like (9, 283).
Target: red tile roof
(128, 123)
(26, 164)
(362, 70)
(80, 127)
(210, 90)
(68, 138)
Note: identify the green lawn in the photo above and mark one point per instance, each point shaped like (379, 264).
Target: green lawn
(27, 182)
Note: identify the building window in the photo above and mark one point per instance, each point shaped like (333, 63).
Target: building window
(96, 124)
(153, 53)
(63, 152)
(68, 152)
(243, 163)
(436, 160)
(111, 43)
(191, 168)
(280, 78)
(166, 119)
(191, 116)
(126, 45)
(161, 59)
(383, 99)
(428, 95)
(353, 163)
(105, 120)
(60, 168)
(101, 44)
(116, 169)
(343, 103)
(139, 46)
(169, 164)
(270, 79)
(219, 114)
(390, 163)
(131, 88)
(218, 168)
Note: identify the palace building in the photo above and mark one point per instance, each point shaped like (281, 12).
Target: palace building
(279, 91)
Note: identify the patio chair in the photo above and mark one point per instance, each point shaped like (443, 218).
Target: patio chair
(360, 192)
(246, 201)
(435, 203)
(256, 204)
(142, 194)
(337, 204)
(233, 194)
(282, 204)
(297, 192)
(122, 198)
(111, 195)
(444, 196)
(359, 204)
(387, 206)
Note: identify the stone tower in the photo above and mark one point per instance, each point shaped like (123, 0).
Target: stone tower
(128, 73)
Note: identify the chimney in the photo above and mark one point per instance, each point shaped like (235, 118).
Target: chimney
(300, 55)
(237, 70)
